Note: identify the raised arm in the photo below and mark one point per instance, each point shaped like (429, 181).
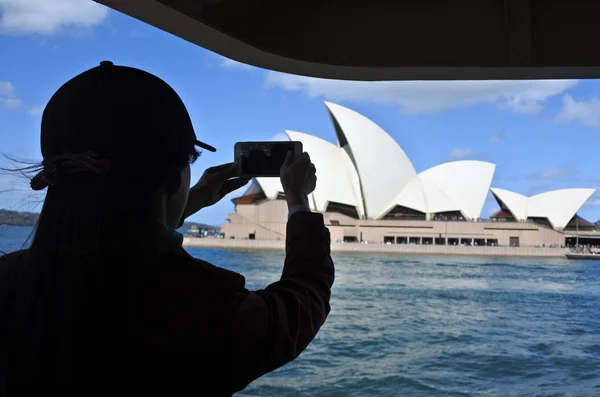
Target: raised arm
(273, 326)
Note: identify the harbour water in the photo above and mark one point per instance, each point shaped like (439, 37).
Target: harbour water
(13, 238)
(405, 325)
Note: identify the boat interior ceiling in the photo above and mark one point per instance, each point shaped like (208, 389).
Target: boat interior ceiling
(390, 40)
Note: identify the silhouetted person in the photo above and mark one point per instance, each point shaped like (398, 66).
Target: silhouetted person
(106, 301)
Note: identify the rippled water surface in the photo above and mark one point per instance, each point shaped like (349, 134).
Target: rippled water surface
(442, 326)
(437, 326)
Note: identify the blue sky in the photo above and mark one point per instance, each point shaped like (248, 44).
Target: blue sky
(541, 134)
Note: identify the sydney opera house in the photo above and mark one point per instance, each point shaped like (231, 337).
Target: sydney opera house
(369, 191)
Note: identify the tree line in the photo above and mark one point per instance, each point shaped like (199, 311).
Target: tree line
(15, 218)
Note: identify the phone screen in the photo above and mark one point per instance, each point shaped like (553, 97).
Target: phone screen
(264, 158)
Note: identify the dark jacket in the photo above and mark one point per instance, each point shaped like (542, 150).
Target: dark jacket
(176, 325)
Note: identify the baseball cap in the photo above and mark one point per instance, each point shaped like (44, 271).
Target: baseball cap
(120, 113)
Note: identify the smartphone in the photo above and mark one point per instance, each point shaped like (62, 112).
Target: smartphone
(264, 158)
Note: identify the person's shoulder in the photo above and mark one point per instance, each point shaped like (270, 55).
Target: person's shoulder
(13, 257)
(12, 260)
(198, 270)
(234, 279)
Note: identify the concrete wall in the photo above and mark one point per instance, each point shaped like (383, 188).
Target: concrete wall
(527, 233)
(382, 248)
(267, 221)
(374, 231)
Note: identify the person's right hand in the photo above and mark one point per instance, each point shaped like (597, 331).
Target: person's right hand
(298, 178)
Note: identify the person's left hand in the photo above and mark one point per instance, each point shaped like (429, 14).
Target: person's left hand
(215, 183)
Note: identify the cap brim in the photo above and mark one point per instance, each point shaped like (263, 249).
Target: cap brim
(205, 146)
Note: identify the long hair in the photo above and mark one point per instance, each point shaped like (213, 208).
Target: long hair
(92, 233)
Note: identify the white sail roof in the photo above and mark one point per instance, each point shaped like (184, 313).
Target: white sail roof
(337, 179)
(382, 166)
(455, 186)
(369, 171)
(412, 196)
(271, 186)
(466, 183)
(516, 203)
(558, 206)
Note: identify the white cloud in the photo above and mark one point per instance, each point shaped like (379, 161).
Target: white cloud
(584, 112)
(231, 64)
(9, 183)
(6, 88)
(460, 153)
(554, 174)
(48, 17)
(36, 111)
(416, 97)
(495, 139)
(10, 100)
(594, 201)
(8, 96)
(11, 103)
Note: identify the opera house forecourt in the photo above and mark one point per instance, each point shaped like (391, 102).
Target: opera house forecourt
(436, 210)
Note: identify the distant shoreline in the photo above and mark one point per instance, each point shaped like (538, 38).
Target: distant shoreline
(193, 242)
(16, 218)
